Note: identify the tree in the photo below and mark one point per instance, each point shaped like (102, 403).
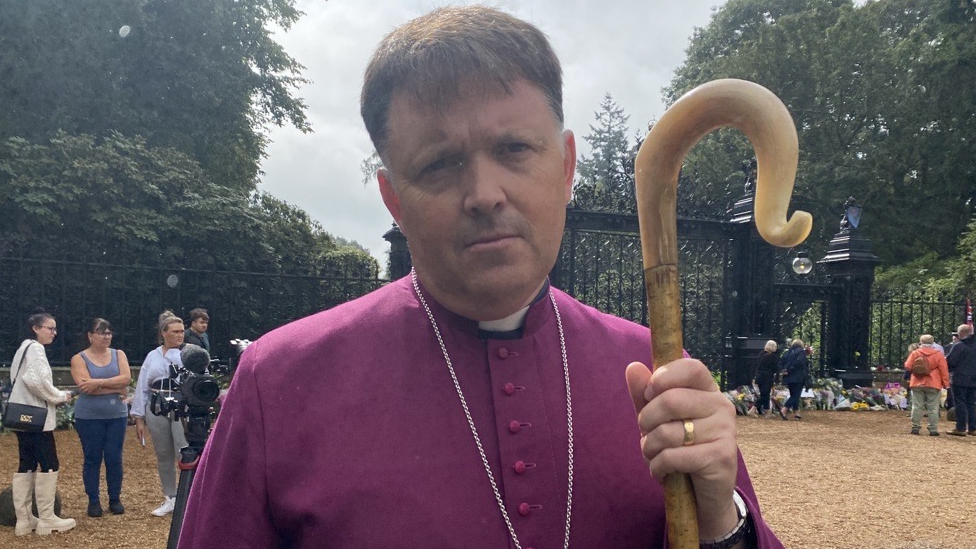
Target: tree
(118, 200)
(606, 179)
(203, 78)
(878, 94)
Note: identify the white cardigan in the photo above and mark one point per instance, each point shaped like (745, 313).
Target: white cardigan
(34, 382)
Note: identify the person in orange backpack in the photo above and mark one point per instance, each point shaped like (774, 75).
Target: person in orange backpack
(930, 374)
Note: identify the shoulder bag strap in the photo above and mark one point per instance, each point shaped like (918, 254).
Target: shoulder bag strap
(13, 380)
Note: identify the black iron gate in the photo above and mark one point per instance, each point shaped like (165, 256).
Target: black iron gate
(600, 264)
(809, 312)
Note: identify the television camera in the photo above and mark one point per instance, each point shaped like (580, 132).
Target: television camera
(192, 394)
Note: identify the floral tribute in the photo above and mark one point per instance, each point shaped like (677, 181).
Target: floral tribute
(825, 394)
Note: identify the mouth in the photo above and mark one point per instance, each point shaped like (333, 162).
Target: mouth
(490, 241)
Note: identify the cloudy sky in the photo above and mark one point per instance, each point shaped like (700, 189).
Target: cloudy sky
(627, 48)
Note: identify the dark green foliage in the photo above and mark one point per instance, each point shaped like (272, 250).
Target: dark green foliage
(132, 133)
(881, 95)
(605, 180)
(199, 77)
(118, 200)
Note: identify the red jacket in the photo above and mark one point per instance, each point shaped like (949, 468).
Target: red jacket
(938, 377)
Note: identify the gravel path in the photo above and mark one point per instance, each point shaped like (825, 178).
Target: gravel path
(835, 480)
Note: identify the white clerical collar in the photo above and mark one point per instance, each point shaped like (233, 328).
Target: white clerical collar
(511, 322)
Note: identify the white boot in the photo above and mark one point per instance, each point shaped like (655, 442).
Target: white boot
(23, 493)
(45, 487)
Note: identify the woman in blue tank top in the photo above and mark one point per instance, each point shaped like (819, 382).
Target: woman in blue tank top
(101, 415)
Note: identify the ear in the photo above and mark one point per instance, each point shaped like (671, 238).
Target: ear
(390, 199)
(569, 162)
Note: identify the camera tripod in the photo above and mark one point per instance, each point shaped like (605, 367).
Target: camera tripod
(197, 428)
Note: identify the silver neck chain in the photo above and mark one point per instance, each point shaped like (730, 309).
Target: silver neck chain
(474, 431)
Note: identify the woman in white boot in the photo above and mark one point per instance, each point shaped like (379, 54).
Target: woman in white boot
(30, 374)
(166, 431)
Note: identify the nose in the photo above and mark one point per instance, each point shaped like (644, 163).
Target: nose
(484, 193)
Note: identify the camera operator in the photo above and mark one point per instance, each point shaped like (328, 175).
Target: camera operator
(166, 431)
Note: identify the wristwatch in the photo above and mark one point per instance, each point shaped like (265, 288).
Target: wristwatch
(743, 527)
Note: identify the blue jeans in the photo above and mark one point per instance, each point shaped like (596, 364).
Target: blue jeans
(965, 399)
(102, 439)
(793, 403)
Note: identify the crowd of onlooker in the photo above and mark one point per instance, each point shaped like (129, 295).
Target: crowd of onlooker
(935, 376)
(102, 410)
(932, 368)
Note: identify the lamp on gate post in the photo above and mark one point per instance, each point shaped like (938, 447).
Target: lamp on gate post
(802, 265)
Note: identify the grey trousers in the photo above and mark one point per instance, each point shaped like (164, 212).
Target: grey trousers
(167, 438)
(925, 400)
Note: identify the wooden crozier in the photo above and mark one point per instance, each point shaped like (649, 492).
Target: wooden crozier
(763, 118)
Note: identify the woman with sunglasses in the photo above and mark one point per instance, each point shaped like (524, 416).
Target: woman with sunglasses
(33, 384)
(101, 415)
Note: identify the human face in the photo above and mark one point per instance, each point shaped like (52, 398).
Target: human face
(46, 331)
(200, 325)
(480, 190)
(100, 340)
(173, 335)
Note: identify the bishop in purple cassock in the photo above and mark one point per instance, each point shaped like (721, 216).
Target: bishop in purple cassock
(469, 404)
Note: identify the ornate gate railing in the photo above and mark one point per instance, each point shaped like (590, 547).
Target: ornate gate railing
(600, 264)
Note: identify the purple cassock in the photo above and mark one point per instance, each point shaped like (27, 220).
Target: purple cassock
(345, 430)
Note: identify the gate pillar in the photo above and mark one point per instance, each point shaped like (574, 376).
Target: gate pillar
(750, 303)
(850, 263)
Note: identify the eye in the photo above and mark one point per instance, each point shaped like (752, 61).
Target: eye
(440, 164)
(515, 147)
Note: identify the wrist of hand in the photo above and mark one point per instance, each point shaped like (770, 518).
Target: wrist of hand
(741, 529)
(717, 519)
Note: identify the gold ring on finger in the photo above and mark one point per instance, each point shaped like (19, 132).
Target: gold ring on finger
(689, 433)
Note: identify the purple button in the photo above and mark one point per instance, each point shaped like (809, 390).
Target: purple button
(519, 467)
(509, 389)
(503, 353)
(514, 426)
(523, 509)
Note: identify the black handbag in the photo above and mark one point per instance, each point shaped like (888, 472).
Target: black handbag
(23, 417)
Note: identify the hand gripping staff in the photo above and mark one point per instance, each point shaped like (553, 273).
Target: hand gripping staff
(763, 118)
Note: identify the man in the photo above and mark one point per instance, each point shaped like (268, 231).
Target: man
(954, 339)
(469, 404)
(926, 384)
(962, 364)
(197, 334)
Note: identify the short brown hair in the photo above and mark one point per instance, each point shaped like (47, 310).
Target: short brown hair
(198, 313)
(432, 55)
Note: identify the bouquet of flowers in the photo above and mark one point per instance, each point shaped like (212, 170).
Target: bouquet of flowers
(827, 392)
(895, 396)
(743, 398)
